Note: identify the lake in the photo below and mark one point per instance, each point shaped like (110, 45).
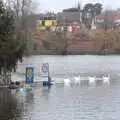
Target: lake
(60, 102)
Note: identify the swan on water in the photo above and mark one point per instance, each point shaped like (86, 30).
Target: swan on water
(77, 80)
(106, 79)
(67, 81)
(92, 80)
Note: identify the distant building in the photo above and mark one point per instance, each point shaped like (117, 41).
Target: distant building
(46, 22)
(38, 22)
(108, 21)
(69, 17)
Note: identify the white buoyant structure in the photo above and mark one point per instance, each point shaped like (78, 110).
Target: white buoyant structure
(92, 79)
(106, 79)
(67, 81)
(77, 80)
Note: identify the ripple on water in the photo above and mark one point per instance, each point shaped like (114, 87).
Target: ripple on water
(81, 102)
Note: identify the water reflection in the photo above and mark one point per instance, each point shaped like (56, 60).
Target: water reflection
(45, 92)
(8, 105)
(29, 98)
(73, 102)
(77, 102)
(26, 104)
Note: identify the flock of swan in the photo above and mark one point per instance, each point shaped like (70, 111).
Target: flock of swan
(91, 79)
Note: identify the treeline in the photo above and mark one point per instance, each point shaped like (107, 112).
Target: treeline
(104, 41)
(107, 41)
(89, 13)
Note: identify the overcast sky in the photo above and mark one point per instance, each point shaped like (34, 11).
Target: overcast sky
(58, 5)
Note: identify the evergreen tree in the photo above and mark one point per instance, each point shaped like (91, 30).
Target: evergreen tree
(11, 46)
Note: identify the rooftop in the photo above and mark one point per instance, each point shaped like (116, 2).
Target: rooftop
(71, 10)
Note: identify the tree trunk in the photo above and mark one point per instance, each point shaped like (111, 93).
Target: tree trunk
(5, 75)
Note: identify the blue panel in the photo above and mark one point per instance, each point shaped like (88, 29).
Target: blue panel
(29, 75)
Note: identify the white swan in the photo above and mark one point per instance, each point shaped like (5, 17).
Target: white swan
(77, 80)
(67, 81)
(106, 79)
(92, 80)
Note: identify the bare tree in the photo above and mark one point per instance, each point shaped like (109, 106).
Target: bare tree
(21, 8)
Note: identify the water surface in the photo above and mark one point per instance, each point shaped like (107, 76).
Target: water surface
(74, 102)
